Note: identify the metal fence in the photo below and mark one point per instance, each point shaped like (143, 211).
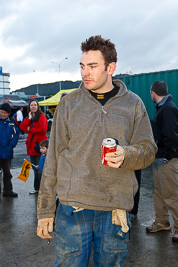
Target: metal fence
(141, 84)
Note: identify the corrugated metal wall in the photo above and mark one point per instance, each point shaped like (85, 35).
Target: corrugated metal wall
(141, 83)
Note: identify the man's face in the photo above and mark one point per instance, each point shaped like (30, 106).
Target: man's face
(95, 75)
(3, 114)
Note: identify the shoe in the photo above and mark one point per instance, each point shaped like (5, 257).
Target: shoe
(175, 234)
(33, 191)
(133, 216)
(11, 194)
(155, 227)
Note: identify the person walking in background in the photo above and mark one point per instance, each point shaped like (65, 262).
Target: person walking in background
(19, 115)
(165, 166)
(19, 119)
(94, 198)
(9, 134)
(43, 150)
(36, 126)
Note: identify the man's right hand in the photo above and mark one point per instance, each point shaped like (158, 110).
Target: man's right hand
(115, 159)
(44, 227)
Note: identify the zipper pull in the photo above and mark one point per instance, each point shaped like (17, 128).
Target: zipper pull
(104, 111)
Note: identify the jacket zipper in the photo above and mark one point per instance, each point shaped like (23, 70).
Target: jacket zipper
(103, 112)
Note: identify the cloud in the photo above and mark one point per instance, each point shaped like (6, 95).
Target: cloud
(34, 33)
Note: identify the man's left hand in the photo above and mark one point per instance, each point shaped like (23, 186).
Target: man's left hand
(115, 159)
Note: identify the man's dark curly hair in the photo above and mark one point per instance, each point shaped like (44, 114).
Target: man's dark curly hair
(107, 48)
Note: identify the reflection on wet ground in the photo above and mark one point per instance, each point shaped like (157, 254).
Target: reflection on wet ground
(20, 246)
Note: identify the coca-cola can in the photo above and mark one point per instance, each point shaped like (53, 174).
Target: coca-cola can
(108, 145)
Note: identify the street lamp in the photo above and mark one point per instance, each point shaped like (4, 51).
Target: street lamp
(37, 86)
(59, 66)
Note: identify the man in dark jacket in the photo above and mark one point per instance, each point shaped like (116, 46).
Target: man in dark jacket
(9, 134)
(165, 166)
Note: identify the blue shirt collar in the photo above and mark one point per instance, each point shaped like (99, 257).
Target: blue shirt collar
(163, 101)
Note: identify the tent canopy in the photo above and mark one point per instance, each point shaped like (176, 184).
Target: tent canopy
(54, 100)
(13, 100)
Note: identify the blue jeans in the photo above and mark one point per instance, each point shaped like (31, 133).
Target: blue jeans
(76, 233)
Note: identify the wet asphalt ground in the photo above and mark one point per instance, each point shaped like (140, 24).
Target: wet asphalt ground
(20, 246)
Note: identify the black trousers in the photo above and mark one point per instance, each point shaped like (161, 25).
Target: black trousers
(7, 176)
(35, 160)
(137, 196)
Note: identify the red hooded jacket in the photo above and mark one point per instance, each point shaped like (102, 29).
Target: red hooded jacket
(36, 133)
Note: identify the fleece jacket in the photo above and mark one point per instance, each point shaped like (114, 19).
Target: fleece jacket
(73, 170)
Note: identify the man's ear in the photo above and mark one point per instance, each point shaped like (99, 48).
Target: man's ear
(153, 93)
(111, 68)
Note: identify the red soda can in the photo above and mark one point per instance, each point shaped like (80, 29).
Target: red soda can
(108, 145)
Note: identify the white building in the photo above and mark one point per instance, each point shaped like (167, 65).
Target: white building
(4, 83)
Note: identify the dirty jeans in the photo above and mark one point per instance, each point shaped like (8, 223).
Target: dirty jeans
(165, 193)
(77, 232)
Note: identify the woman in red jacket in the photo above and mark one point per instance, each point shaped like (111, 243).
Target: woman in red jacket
(35, 125)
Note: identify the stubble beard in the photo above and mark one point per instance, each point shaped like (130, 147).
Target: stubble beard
(96, 87)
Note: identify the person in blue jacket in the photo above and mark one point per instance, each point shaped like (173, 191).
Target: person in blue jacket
(43, 149)
(9, 135)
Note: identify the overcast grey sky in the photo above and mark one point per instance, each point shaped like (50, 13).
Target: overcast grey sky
(35, 32)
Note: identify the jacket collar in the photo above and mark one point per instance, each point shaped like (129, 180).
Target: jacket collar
(163, 101)
(5, 119)
(122, 87)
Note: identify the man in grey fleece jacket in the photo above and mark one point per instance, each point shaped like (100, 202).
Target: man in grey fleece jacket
(94, 199)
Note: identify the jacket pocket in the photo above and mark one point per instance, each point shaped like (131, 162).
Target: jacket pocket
(8, 152)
